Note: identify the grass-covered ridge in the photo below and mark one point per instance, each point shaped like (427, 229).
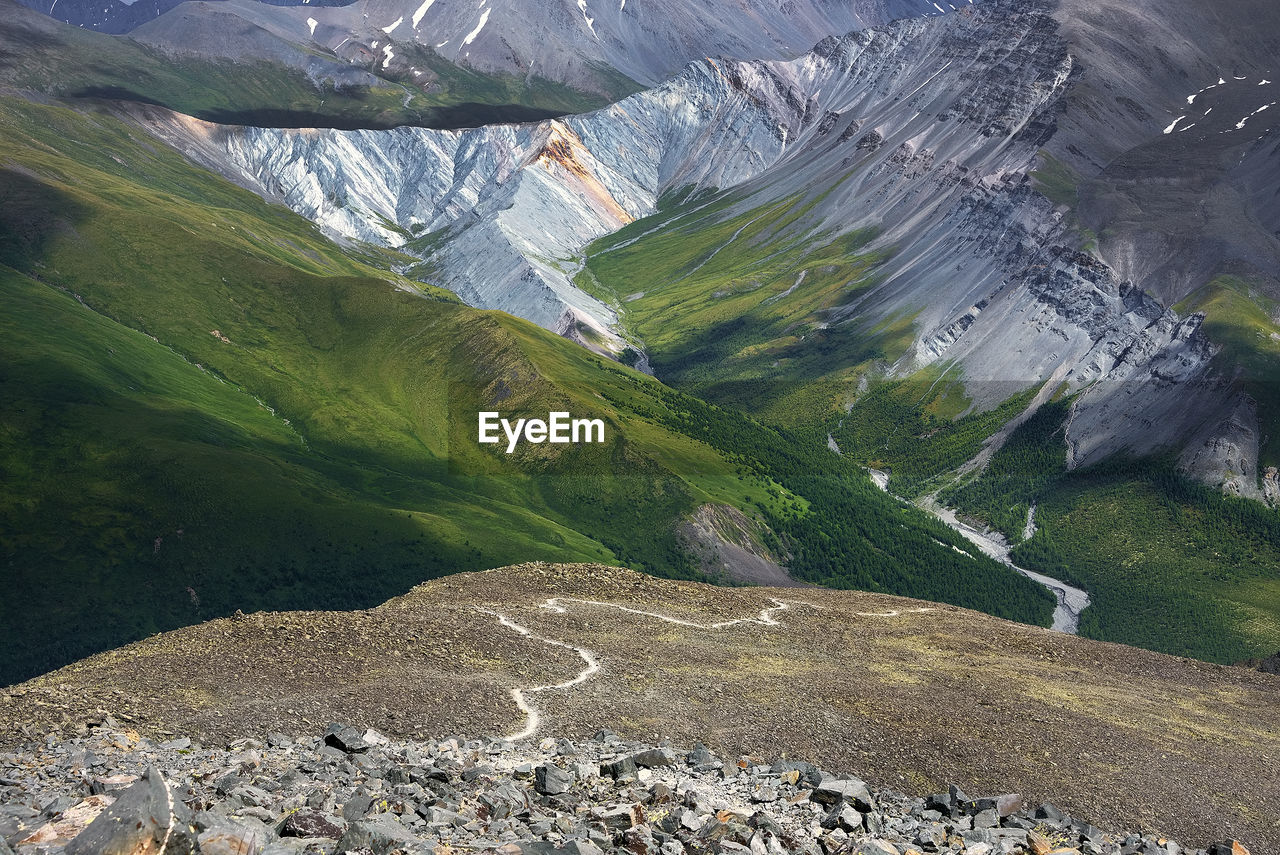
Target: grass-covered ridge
(734, 306)
(207, 406)
(1169, 564)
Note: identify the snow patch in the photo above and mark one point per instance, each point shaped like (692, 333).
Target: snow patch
(422, 10)
(311, 22)
(582, 6)
(390, 28)
(471, 36)
(939, 8)
(389, 56)
(1240, 124)
(1173, 125)
(1264, 83)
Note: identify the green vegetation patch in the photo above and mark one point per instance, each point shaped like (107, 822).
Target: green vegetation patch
(735, 307)
(1057, 181)
(1244, 322)
(1169, 564)
(1033, 459)
(920, 428)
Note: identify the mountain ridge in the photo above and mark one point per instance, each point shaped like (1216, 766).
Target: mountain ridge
(888, 686)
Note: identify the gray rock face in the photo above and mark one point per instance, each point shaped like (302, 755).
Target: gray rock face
(146, 818)
(927, 130)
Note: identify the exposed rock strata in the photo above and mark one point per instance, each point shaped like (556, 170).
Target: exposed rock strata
(928, 130)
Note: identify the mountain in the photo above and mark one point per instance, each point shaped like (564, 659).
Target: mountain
(931, 248)
(909, 133)
(208, 406)
(908, 695)
(918, 237)
(587, 45)
(237, 72)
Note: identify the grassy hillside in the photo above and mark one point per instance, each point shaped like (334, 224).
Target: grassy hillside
(732, 306)
(68, 62)
(1169, 564)
(717, 297)
(207, 406)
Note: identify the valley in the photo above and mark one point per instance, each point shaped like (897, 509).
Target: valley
(268, 406)
(940, 240)
(1071, 600)
(888, 385)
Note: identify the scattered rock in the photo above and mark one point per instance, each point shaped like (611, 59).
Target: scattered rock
(144, 819)
(355, 790)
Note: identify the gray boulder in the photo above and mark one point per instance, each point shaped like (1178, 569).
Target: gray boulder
(145, 819)
(551, 780)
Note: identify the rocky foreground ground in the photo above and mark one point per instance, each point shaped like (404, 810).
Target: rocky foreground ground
(910, 695)
(108, 790)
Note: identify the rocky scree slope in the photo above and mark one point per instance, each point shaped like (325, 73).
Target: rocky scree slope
(929, 132)
(108, 789)
(913, 695)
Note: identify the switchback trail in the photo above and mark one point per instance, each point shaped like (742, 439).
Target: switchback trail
(520, 695)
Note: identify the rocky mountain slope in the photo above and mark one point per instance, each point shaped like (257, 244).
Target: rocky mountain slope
(911, 131)
(909, 695)
(108, 789)
(586, 44)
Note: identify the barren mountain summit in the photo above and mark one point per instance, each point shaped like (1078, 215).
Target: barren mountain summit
(909, 694)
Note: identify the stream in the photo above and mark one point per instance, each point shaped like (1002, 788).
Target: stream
(1071, 601)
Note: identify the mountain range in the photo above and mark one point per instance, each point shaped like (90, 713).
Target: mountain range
(263, 264)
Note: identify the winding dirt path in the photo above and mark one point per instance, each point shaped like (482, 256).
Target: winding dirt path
(520, 695)
(532, 717)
